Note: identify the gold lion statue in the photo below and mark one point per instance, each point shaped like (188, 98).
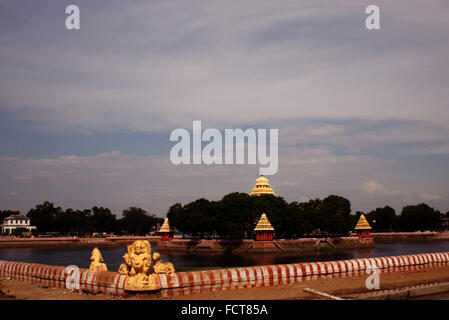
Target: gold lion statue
(97, 262)
(162, 267)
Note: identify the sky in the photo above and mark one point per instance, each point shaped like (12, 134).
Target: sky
(86, 115)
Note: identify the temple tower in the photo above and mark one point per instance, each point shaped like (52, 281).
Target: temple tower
(262, 187)
(363, 228)
(264, 230)
(165, 231)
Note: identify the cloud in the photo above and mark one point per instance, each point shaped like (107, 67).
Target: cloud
(119, 180)
(212, 60)
(88, 113)
(288, 184)
(375, 188)
(430, 196)
(372, 186)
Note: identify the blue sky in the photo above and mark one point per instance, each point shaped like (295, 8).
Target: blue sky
(85, 116)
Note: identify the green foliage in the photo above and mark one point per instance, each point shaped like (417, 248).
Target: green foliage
(420, 217)
(102, 220)
(236, 215)
(383, 219)
(137, 221)
(48, 218)
(44, 216)
(6, 213)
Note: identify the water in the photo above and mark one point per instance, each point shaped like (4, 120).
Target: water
(188, 261)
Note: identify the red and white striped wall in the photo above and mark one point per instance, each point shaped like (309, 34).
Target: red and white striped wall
(290, 273)
(56, 276)
(222, 279)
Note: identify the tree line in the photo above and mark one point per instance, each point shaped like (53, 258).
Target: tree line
(49, 218)
(236, 215)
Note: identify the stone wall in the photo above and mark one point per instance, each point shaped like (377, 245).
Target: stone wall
(277, 246)
(9, 242)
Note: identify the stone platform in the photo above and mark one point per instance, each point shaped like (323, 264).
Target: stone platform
(296, 246)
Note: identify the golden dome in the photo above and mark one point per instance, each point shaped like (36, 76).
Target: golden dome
(264, 224)
(262, 187)
(165, 226)
(362, 224)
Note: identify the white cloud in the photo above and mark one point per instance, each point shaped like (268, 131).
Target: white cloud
(118, 180)
(213, 60)
(372, 186)
(375, 188)
(430, 196)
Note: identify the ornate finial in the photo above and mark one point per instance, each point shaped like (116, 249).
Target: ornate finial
(264, 224)
(97, 262)
(362, 224)
(262, 187)
(165, 226)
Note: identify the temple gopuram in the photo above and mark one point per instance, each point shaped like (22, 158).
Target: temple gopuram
(264, 230)
(166, 231)
(363, 228)
(262, 187)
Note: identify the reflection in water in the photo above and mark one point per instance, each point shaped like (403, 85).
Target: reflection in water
(206, 260)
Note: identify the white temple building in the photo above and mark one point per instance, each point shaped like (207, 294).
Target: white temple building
(14, 222)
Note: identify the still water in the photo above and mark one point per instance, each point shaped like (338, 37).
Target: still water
(188, 262)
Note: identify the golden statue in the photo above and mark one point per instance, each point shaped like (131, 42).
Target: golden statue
(125, 267)
(140, 257)
(97, 262)
(161, 267)
(137, 266)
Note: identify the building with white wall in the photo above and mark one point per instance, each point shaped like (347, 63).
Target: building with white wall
(14, 222)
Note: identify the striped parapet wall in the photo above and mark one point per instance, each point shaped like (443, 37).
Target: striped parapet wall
(57, 276)
(183, 283)
(236, 278)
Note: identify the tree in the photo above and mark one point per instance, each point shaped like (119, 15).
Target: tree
(6, 213)
(236, 219)
(43, 216)
(333, 216)
(102, 220)
(176, 216)
(383, 219)
(74, 222)
(236, 215)
(420, 217)
(276, 210)
(137, 221)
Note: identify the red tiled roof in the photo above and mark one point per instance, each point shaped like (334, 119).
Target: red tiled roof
(17, 217)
